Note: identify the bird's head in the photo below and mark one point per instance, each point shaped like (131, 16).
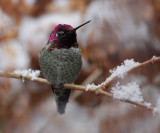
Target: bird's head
(64, 36)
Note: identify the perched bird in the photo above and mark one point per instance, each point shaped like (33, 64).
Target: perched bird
(60, 61)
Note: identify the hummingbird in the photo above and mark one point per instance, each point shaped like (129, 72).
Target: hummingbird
(60, 61)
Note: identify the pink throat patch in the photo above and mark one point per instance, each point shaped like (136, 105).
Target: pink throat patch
(53, 37)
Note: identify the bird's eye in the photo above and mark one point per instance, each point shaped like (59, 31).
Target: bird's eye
(60, 33)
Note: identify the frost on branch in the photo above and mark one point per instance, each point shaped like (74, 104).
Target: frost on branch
(119, 71)
(156, 110)
(130, 91)
(90, 86)
(32, 73)
(148, 105)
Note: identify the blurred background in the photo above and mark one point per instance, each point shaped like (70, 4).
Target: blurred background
(119, 30)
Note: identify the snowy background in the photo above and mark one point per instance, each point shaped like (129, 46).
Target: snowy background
(118, 30)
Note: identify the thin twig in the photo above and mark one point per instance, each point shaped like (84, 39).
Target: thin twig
(110, 95)
(148, 62)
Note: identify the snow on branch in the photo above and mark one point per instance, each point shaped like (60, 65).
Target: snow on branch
(32, 73)
(119, 72)
(129, 69)
(119, 92)
(129, 91)
(156, 110)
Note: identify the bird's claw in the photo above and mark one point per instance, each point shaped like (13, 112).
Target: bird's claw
(61, 85)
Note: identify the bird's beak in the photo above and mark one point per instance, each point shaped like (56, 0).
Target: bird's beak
(80, 25)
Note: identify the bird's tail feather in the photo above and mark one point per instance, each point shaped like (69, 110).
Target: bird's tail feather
(61, 96)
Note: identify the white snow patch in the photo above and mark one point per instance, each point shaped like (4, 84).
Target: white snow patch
(119, 71)
(130, 91)
(32, 73)
(90, 86)
(148, 105)
(154, 57)
(156, 110)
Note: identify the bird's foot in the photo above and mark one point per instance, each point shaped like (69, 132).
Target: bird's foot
(61, 85)
(57, 86)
